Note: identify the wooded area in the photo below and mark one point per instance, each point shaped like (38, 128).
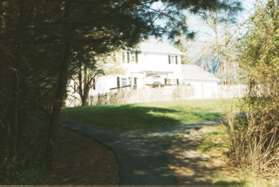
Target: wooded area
(43, 44)
(39, 42)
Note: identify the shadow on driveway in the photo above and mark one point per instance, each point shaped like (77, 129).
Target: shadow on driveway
(141, 137)
(143, 154)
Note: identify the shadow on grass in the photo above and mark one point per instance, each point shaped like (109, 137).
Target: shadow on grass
(144, 155)
(131, 117)
(195, 168)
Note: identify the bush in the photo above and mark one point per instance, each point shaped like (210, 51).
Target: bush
(255, 133)
(29, 165)
(254, 144)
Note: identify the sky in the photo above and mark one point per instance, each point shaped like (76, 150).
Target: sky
(205, 35)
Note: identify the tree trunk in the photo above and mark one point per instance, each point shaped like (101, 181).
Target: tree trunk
(16, 124)
(86, 87)
(84, 101)
(85, 95)
(80, 82)
(60, 91)
(58, 103)
(84, 84)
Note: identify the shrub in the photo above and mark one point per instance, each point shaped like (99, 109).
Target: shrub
(255, 133)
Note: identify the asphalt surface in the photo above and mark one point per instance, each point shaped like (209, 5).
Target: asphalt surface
(141, 153)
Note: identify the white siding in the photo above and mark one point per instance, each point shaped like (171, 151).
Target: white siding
(202, 89)
(154, 66)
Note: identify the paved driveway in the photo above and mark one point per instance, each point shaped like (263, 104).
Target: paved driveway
(141, 153)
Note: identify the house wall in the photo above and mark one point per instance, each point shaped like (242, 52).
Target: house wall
(160, 62)
(146, 62)
(203, 89)
(153, 62)
(106, 86)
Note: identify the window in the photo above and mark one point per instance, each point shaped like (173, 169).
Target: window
(94, 84)
(177, 82)
(135, 82)
(173, 59)
(130, 56)
(118, 82)
(170, 82)
(124, 81)
(124, 57)
(133, 57)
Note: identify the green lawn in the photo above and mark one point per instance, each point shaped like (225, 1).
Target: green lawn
(149, 115)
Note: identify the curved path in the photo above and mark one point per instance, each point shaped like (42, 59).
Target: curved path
(141, 153)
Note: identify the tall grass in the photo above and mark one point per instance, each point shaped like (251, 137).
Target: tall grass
(254, 137)
(255, 133)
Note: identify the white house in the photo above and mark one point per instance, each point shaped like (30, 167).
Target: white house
(153, 64)
(203, 83)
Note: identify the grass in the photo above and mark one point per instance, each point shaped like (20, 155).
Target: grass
(216, 139)
(213, 142)
(149, 115)
(215, 145)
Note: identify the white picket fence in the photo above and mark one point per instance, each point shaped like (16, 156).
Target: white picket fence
(129, 95)
(231, 91)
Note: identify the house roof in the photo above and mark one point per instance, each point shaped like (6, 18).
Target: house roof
(158, 47)
(195, 73)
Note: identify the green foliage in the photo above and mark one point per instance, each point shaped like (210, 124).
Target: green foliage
(38, 43)
(255, 135)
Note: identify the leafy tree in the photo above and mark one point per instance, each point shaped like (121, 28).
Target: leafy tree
(220, 56)
(38, 43)
(255, 138)
(84, 78)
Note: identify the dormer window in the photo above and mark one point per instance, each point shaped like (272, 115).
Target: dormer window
(129, 56)
(173, 59)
